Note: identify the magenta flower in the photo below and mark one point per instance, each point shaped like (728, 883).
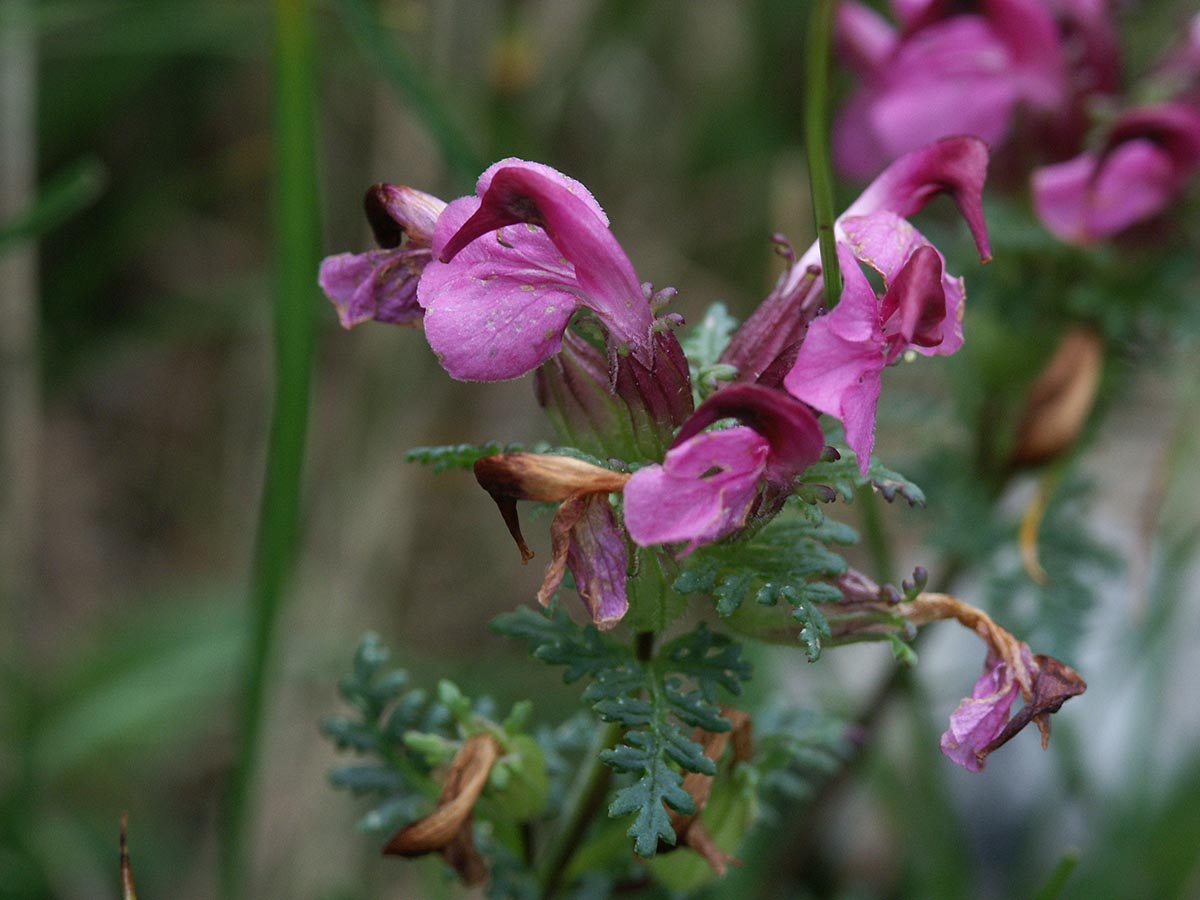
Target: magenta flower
(513, 264)
(981, 724)
(711, 482)
(839, 366)
(765, 347)
(382, 284)
(941, 76)
(1148, 156)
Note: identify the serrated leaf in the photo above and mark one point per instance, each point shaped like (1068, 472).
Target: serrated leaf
(457, 456)
(366, 778)
(816, 626)
(350, 735)
(789, 559)
(553, 638)
(707, 340)
(843, 476)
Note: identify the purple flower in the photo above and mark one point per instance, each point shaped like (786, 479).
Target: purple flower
(940, 76)
(836, 368)
(981, 724)
(1146, 159)
(980, 718)
(766, 345)
(839, 366)
(382, 284)
(513, 264)
(584, 535)
(711, 482)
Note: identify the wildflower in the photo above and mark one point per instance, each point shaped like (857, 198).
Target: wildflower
(982, 724)
(382, 284)
(766, 345)
(584, 535)
(1146, 159)
(514, 263)
(839, 366)
(711, 482)
(943, 75)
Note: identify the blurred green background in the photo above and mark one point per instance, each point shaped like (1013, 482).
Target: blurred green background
(138, 158)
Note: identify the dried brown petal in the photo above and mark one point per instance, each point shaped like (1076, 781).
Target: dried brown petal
(1054, 684)
(1061, 398)
(448, 828)
(689, 830)
(510, 477)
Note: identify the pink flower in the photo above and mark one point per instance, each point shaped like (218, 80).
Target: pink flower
(765, 347)
(711, 482)
(837, 367)
(514, 263)
(981, 723)
(382, 284)
(1148, 156)
(940, 76)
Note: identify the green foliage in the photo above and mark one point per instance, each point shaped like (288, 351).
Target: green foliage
(788, 560)
(457, 456)
(843, 476)
(464, 456)
(654, 700)
(704, 345)
(409, 735)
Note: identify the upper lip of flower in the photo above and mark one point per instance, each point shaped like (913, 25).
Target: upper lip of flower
(591, 266)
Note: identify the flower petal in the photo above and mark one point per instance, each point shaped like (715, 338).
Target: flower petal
(703, 490)
(394, 211)
(914, 307)
(956, 165)
(500, 307)
(887, 244)
(787, 423)
(837, 370)
(378, 284)
(980, 718)
(598, 560)
(1080, 203)
(518, 192)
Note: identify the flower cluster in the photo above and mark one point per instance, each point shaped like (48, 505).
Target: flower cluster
(526, 275)
(1028, 77)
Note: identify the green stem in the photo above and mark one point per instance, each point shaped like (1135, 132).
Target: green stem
(297, 240)
(816, 142)
(875, 533)
(591, 787)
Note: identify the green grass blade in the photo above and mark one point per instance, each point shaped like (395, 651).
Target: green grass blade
(297, 239)
(372, 38)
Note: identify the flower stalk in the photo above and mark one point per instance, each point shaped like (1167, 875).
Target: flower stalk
(817, 142)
